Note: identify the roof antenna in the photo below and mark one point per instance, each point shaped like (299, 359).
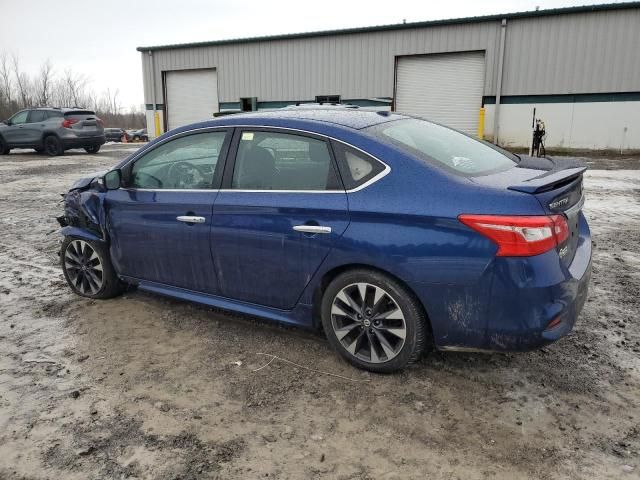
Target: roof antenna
(537, 7)
(404, 20)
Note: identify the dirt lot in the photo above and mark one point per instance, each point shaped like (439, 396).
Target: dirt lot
(145, 387)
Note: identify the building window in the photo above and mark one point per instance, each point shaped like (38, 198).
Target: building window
(327, 98)
(249, 104)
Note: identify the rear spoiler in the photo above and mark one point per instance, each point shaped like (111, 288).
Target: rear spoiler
(549, 181)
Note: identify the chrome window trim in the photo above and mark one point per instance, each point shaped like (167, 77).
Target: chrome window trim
(371, 181)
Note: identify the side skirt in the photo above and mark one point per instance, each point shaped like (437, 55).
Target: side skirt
(300, 316)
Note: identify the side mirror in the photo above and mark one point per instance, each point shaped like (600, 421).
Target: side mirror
(112, 180)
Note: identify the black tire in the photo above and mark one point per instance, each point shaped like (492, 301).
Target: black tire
(398, 352)
(79, 267)
(53, 146)
(92, 149)
(4, 148)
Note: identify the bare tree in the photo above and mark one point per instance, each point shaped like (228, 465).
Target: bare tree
(44, 83)
(19, 90)
(23, 83)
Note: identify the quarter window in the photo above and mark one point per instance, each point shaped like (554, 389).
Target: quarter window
(280, 161)
(184, 163)
(356, 167)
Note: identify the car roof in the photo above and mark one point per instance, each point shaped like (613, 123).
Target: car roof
(338, 115)
(61, 109)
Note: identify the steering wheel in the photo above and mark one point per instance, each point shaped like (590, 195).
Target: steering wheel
(185, 174)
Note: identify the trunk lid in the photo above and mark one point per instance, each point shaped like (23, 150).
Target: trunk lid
(86, 123)
(556, 184)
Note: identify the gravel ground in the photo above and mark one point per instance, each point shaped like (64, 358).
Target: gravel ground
(146, 387)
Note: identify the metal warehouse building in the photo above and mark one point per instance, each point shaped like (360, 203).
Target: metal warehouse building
(579, 67)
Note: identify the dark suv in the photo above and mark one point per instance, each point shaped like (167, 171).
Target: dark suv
(52, 130)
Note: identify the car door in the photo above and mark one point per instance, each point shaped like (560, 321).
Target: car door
(280, 211)
(14, 134)
(159, 222)
(34, 127)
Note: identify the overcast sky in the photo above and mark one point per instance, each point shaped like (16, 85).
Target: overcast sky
(99, 39)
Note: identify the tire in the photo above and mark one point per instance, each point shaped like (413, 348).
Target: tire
(352, 330)
(4, 148)
(53, 146)
(87, 268)
(92, 149)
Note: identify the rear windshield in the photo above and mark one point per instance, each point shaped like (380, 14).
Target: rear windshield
(73, 113)
(447, 148)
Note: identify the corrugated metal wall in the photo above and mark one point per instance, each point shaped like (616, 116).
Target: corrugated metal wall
(571, 53)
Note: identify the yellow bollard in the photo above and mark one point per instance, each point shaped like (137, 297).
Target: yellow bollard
(481, 124)
(156, 120)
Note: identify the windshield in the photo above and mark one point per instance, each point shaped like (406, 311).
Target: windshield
(455, 151)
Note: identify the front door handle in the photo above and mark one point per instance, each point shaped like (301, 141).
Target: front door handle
(312, 229)
(190, 219)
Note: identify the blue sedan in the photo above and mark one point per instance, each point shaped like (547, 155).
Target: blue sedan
(392, 233)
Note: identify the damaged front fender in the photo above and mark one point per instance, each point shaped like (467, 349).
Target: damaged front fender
(84, 213)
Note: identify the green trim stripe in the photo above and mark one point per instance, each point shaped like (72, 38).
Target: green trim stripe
(361, 102)
(566, 98)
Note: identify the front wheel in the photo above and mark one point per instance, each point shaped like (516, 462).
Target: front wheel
(4, 148)
(373, 321)
(87, 268)
(92, 149)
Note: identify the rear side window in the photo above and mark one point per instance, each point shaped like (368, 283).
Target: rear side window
(447, 148)
(281, 161)
(37, 116)
(356, 167)
(54, 114)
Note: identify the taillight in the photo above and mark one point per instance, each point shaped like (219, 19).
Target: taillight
(68, 122)
(520, 236)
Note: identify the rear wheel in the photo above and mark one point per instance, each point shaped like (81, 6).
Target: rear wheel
(92, 149)
(373, 321)
(87, 268)
(53, 146)
(4, 148)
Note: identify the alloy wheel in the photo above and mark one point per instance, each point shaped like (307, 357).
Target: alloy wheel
(84, 267)
(368, 322)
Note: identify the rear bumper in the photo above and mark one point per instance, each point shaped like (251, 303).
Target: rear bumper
(82, 142)
(513, 305)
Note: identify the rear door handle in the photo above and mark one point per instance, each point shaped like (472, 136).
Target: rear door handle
(312, 229)
(190, 219)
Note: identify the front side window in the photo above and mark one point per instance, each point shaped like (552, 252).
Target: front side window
(448, 148)
(281, 161)
(184, 163)
(20, 118)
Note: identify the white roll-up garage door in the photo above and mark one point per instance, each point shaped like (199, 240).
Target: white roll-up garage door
(445, 88)
(192, 96)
